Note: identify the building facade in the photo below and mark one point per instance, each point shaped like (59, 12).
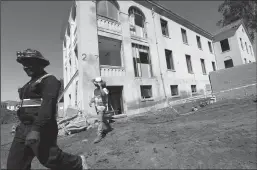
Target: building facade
(232, 46)
(148, 55)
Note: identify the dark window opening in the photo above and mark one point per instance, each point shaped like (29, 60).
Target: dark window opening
(193, 89)
(241, 44)
(246, 48)
(210, 46)
(213, 66)
(203, 66)
(169, 60)
(174, 90)
(164, 27)
(189, 64)
(146, 91)
(199, 44)
(224, 45)
(229, 63)
(184, 36)
(245, 60)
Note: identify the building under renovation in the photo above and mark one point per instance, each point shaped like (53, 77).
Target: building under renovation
(148, 55)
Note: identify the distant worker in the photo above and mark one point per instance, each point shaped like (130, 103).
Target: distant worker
(36, 135)
(100, 99)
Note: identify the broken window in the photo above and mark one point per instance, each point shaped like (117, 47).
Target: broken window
(184, 36)
(246, 48)
(203, 66)
(141, 61)
(224, 45)
(213, 66)
(189, 64)
(210, 46)
(164, 26)
(109, 51)
(174, 90)
(137, 22)
(199, 44)
(169, 60)
(146, 91)
(108, 8)
(229, 63)
(193, 89)
(241, 44)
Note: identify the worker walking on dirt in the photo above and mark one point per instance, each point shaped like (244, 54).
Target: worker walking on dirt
(100, 99)
(36, 135)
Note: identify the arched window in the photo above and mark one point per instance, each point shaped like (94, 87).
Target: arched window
(109, 9)
(137, 22)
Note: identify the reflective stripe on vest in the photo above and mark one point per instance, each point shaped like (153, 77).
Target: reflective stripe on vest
(32, 102)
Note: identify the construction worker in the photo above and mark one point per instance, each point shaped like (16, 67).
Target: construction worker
(36, 135)
(100, 99)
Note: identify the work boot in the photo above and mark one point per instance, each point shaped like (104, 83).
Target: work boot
(98, 138)
(84, 163)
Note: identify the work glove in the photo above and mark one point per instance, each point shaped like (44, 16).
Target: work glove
(32, 138)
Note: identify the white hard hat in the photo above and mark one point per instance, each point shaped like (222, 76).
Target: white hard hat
(98, 79)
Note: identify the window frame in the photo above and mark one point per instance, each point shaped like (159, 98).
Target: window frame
(162, 21)
(185, 33)
(170, 59)
(199, 43)
(225, 40)
(191, 65)
(142, 90)
(204, 71)
(177, 95)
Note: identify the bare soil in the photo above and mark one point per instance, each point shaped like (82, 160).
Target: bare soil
(221, 135)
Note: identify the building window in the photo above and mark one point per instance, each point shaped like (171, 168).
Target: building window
(73, 12)
(203, 66)
(68, 30)
(174, 90)
(164, 25)
(137, 22)
(224, 45)
(213, 66)
(199, 44)
(241, 42)
(189, 64)
(184, 36)
(109, 51)
(193, 89)
(146, 92)
(229, 63)
(141, 61)
(69, 99)
(250, 48)
(245, 60)
(169, 60)
(109, 9)
(246, 48)
(210, 46)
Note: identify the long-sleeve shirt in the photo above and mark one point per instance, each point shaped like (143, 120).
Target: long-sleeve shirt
(48, 90)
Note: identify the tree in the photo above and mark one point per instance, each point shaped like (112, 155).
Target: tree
(236, 10)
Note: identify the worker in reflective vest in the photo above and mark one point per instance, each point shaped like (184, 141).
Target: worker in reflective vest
(36, 135)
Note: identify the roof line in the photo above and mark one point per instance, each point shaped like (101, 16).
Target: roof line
(179, 17)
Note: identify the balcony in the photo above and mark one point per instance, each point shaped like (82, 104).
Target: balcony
(111, 71)
(137, 32)
(106, 24)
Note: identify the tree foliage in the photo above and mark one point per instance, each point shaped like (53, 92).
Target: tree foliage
(246, 10)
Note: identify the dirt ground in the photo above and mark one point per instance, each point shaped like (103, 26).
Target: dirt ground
(221, 135)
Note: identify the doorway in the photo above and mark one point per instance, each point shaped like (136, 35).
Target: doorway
(115, 102)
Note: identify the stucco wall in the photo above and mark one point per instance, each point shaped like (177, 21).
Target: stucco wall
(239, 76)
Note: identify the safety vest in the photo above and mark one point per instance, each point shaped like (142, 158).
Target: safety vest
(25, 103)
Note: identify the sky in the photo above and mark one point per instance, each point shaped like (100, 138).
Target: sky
(38, 24)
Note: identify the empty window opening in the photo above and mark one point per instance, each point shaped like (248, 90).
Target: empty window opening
(251, 50)
(109, 9)
(193, 89)
(213, 66)
(164, 26)
(137, 22)
(210, 46)
(169, 60)
(109, 51)
(146, 91)
(229, 63)
(199, 44)
(203, 66)
(224, 45)
(184, 36)
(246, 47)
(141, 61)
(115, 100)
(174, 90)
(189, 64)
(241, 42)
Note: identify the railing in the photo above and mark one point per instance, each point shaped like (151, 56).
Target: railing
(109, 71)
(108, 24)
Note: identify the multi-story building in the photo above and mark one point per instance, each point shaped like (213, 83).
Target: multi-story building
(232, 46)
(148, 55)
